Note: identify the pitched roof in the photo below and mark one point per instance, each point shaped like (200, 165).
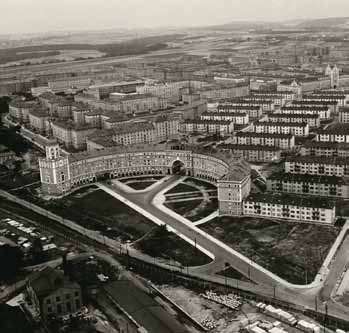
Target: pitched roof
(49, 280)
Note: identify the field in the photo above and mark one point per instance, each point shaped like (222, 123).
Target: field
(66, 52)
(293, 251)
(160, 243)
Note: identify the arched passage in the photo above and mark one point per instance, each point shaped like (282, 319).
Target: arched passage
(178, 168)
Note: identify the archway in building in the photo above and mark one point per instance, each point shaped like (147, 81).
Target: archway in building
(178, 168)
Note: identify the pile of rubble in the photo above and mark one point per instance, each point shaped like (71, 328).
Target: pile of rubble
(231, 301)
(209, 323)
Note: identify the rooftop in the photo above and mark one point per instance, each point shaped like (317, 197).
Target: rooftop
(319, 160)
(263, 135)
(230, 146)
(280, 123)
(293, 115)
(300, 108)
(237, 107)
(305, 178)
(291, 200)
(49, 280)
(309, 102)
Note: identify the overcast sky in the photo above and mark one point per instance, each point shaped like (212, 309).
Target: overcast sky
(19, 16)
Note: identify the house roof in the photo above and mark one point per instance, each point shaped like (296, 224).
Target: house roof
(49, 280)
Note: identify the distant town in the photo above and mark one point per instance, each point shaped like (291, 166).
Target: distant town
(195, 180)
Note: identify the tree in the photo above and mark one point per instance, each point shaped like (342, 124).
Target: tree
(11, 261)
(37, 252)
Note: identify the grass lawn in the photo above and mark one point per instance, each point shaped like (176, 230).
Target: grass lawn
(230, 272)
(200, 183)
(181, 187)
(141, 185)
(96, 210)
(193, 210)
(293, 251)
(161, 243)
(140, 178)
(13, 180)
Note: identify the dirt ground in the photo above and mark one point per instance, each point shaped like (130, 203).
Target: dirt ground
(199, 308)
(228, 321)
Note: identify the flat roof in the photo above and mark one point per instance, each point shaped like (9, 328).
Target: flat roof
(264, 135)
(291, 200)
(306, 178)
(247, 147)
(319, 160)
(280, 123)
(293, 115)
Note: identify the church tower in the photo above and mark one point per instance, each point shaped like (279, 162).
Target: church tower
(54, 171)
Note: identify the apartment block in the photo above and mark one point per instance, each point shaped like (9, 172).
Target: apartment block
(328, 186)
(282, 141)
(290, 207)
(295, 129)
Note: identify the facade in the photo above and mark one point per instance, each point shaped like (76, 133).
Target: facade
(254, 112)
(235, 118)
(290, 207)
(301, 129)
(71, 135)
(66, 84)
(266, 104)
(254, 153)
(222, 127)
(343, 114)
(332, 105)
(322, 186)
(171, 91)
(59, 174)
(340, 99)
(134, 133)
(316, 148)
(278, 98)
(282, 141)
(333, 73)
(312, 119)
(39, 121)
(338, 133)
(19, 110)
(53, 294)
(323, 112)
(218, 92)
(137, 103)
(102, 91)
(315, 165)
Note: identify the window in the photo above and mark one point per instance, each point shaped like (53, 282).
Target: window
(59, 309)
(58, 299)
(77, 303)
(48, 301)
(68, 305)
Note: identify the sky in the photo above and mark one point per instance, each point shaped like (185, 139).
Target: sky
(33, 16)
